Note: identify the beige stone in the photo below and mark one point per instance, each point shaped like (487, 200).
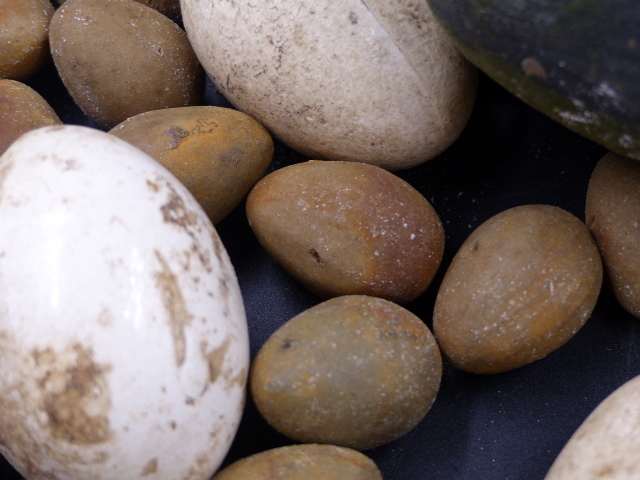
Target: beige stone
(372, 81)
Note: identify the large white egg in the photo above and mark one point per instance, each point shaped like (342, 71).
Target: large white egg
(374, 81)
(123, 337)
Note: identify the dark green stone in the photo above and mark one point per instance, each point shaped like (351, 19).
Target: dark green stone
(576, 61)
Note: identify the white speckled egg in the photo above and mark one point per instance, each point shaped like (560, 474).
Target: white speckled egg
(123, 338)
(374, 81)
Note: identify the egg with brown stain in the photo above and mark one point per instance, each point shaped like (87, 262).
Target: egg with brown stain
(123, 335)
(369, 81)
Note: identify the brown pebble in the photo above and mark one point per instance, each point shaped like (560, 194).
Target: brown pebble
(169, 8)
(613, 215)
(303, 462)
(24, 37)
(119, 58)
(347, 228)
(522, 284)
(354, 371)
(217, 153)
(21, 109)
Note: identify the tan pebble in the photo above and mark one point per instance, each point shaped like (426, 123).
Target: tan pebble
(613, 216)
(303, 462)
(522, 284)
(217, 153)
(24, 42)
(354, 371)
(21, 109)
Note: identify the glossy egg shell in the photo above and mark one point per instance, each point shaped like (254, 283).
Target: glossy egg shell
(123, 336)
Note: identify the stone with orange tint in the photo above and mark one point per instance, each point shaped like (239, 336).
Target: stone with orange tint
(354, 371)
(217, 153)
(24, 37)
(344, 228)
(612, 210)
(522, 284)
(22, 109)
(303, 462)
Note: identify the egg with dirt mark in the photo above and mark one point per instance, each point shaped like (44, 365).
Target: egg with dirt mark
(400, 92)
(123, 336)
(605, 445)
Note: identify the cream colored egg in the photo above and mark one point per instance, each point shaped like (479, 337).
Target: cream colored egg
(123, 338)
(372, 81)
(606, 445)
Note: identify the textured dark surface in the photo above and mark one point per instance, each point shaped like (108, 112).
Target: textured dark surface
(505, 426)
(576, 60)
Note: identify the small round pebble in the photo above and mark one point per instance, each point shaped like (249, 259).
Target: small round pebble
(24, 37)
(22, 109)
(303, 462)
(169, 8)
(613, 216)
(522, 284)
(354, 371)
(119, 58)
(348, 228)
(217, 153)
